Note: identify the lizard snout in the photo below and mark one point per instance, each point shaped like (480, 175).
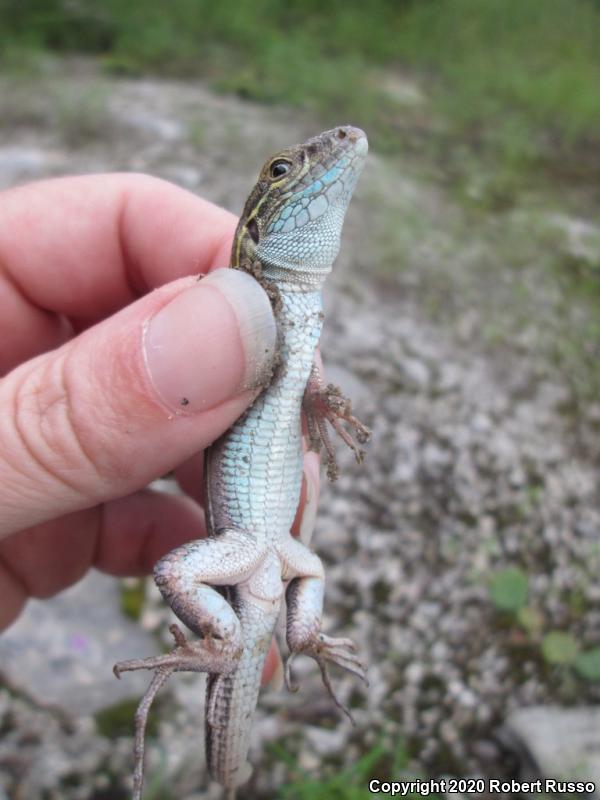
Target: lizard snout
(354, 136)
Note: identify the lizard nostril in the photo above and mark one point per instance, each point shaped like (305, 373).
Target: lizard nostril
(341, 134)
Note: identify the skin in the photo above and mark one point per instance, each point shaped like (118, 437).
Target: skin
(78, 260)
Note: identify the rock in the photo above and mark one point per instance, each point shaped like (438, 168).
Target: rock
(582, 238)
(21, 163)
(415, 374)
(325, 741)
(150, 123)
(60, 652)
(189, 177)
(557, 742)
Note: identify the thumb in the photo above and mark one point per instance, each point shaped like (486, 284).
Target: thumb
(132, 397)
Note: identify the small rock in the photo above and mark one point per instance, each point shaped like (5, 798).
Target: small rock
(325, 741)
(61, 651)
(19, 163)
(415, 374)
(558, 741)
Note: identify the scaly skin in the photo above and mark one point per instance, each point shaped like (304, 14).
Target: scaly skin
(288, 237)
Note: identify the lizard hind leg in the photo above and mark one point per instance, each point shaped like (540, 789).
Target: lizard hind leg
(185, 656)
(305, 599)
(183, 577)
(323, 404)
(164, 666)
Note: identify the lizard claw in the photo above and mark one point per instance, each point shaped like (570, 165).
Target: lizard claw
(325, 649)
(324, 404)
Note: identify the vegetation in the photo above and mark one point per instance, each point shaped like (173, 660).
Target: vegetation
(350, 783)
(508, 589)
(133, 595)
(508, 592)
(116, 720)
(511, 77)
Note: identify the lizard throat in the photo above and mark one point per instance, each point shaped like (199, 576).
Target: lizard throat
(294, 279)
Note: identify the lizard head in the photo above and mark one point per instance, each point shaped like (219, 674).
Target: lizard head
(292, 220)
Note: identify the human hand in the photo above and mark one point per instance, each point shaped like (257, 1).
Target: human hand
(109, 384)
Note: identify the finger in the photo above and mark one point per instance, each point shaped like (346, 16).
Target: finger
(123, 537)
(86, 246)
(137, 530)
(127, 400)
(272, 675)
(306, 513)
(190, 477)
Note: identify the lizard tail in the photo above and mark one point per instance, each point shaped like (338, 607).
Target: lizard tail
(231, 700)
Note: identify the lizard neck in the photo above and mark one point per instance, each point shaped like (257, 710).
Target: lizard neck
(308, 280)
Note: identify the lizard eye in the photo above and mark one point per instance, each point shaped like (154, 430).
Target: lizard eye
(279, 168)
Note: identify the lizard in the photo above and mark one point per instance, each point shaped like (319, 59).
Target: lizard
(229, 587)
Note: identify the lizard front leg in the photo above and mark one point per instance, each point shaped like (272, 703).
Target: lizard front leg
(183, 577)
(304, 597)
(326, 403)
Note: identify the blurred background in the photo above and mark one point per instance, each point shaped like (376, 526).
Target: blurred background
(463, 320)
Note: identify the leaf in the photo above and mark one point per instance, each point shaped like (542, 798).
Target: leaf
(587, 664)
(530, 620)
(559, 648)
(508, 589)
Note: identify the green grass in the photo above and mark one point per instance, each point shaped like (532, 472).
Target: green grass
(117, 720)
(350, 783)
(132, 597)
(525, 65)
(510, 77)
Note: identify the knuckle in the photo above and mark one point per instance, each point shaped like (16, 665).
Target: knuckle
(49, 431)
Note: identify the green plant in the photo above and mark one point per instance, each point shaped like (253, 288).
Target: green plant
(559, 648)
(530, 620)
(350, 783)
(116, 719)
(507, 79)
(587, 664)
(509, 589)
(133, 594)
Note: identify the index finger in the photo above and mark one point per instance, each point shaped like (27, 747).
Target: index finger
(83, 247)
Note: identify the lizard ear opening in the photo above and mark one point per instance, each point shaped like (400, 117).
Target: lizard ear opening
(252, 229)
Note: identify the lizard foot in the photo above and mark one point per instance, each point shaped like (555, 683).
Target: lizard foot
(206, 655)
(324, 404)
(209, 654)
(327, 649)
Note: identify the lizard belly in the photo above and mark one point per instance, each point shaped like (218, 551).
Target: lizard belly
(255, 470)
